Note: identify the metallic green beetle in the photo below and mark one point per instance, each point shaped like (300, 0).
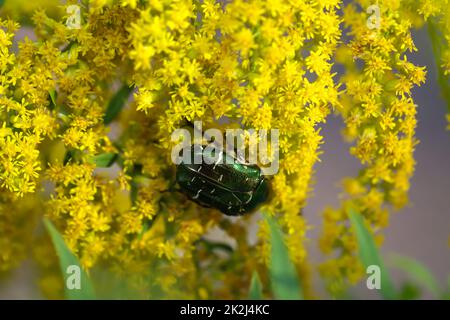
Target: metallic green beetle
(233, 188)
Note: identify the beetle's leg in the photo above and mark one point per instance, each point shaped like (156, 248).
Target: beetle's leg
(188, 123)
(172, 188)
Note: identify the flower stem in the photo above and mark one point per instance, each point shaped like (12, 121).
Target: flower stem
(436, 43)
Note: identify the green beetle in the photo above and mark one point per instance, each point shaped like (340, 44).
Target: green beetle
(233, 187)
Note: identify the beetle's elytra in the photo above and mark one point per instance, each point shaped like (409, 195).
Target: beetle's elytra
(233, 188)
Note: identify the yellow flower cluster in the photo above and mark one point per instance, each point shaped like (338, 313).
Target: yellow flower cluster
(25, 119)
(259, 64)
(25, 123)
(18, 221)
(23, 10)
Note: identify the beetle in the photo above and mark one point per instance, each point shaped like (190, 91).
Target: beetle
(233, 187)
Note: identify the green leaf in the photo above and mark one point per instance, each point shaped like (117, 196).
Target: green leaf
(117, 103)
(409, 291)
(134, 191)
(66, 260)
(104, 160)
(255, 292)
(284, 280)
(52, 93)
(417, 272)
(368, 253)
(2, 2)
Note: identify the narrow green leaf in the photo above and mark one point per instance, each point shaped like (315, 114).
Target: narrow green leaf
(417, 272)
(368, 253)
(104, 160)
(52, 93)
(255, 292)
(284, 280)
(117, 103)
(66, 261)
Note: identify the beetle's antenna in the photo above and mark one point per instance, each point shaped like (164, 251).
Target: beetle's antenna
(172, 189)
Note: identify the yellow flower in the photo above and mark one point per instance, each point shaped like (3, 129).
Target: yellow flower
(381, 119)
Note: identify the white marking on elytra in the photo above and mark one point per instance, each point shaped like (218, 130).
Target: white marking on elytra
(229, 207)
(198, 193)
(218, 160)
(220, 178)
(212, 191)
(246, 179)
(193, 178)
